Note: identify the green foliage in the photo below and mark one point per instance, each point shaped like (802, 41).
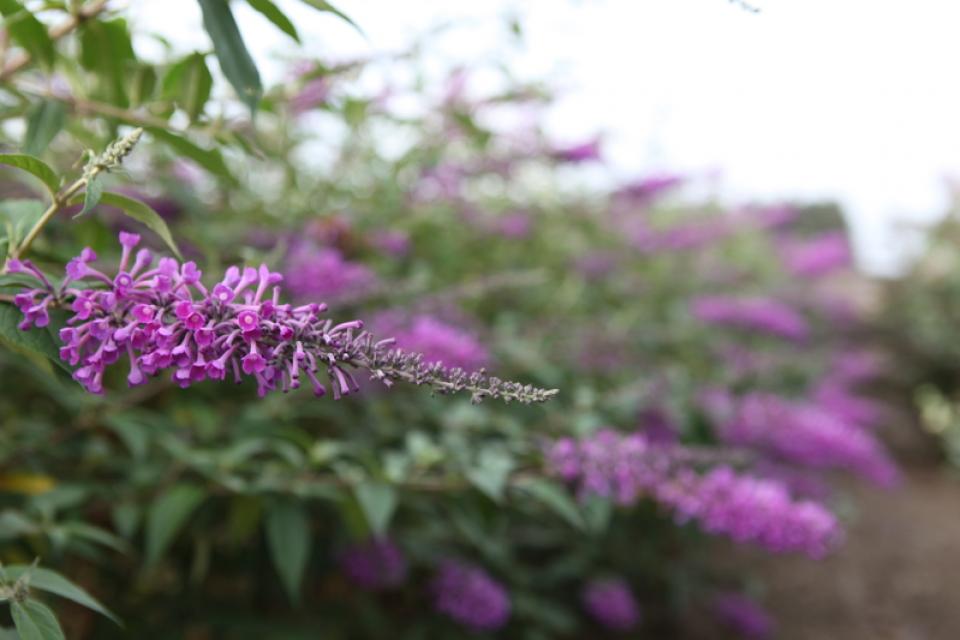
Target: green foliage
(52, 582)
(35, 621)
(27, 31)
(288, 535)
(35, 167)
(277, 17)
(45, 121)
(166, 516)
(235, 61)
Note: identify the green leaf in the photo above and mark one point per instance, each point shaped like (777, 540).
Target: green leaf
(91, 195)
(44, 122)
(143, 84)
(288, 536)
(35, 621)
(491, 473)
(277, 17)
(188, 83)
(19, 216)
(14, 524)
(554, 498)
(235, 60)
(37, 342)
(52, 582)
(34, 166)
(97, 535)
(106, 50)
(322, 5)
(27, 31)
(139, 211)
(167, 515)
(209, 159)
(9, 633)
(378, 501)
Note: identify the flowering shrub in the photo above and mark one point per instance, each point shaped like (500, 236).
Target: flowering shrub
(686, 384)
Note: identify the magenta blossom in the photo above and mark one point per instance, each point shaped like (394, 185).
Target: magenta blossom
(468, 595)
(437, 340)
(375, 564)
(582, 152)
(753, 314)
(163, 319)
(322, 272)
(611, 603)
(746, 508)
(742, 615)
(817, 256)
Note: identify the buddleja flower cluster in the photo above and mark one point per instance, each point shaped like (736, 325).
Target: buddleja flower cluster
(721, 501)
(468, 595)
(164, 319)
(610, 602)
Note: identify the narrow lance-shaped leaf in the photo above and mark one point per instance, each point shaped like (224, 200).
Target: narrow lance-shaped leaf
(235, 60)
(288, 536)
(274, 15)
(27, 31)
(378, 501)
(323, 5)
(209, 159)
(107, 50)
(34, 166)
(52, 582)
(188, 83)
(35, 621)
(167, 515)
(554, 498)
(91, 195)
(45, 121)
(139, 211)
(37, 342)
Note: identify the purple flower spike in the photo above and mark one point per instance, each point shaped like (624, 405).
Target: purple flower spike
(468, 595)
(164, 318)
(721, 501)
(742, 615)
(611, 603)
(375, 564)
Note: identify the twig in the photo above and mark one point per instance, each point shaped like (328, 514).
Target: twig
(110, 159)
(56, 32)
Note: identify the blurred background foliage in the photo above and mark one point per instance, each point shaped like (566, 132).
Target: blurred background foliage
(443, 215)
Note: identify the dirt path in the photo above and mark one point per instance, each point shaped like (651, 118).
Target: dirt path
(898, 576)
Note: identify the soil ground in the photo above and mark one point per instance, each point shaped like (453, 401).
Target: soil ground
(897, 576)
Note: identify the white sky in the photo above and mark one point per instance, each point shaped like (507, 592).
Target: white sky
(855, 100)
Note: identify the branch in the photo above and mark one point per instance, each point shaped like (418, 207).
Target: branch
(56, 32)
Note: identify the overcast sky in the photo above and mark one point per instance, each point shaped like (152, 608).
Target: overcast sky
(854, 100)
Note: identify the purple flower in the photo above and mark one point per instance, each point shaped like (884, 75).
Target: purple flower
(808, 435)
(611, 603)
(323, 272)
(582, 152)
(817, 256)
(645, 190)
(312, 95)
(514, 225)
(722, 502)
(437, 340)
(683, 237)
(468, 595)
(375, 564)
(742, 615)
(163, 318)
(596, 265)
(750, 510)
(392, 242)
(753, 314)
